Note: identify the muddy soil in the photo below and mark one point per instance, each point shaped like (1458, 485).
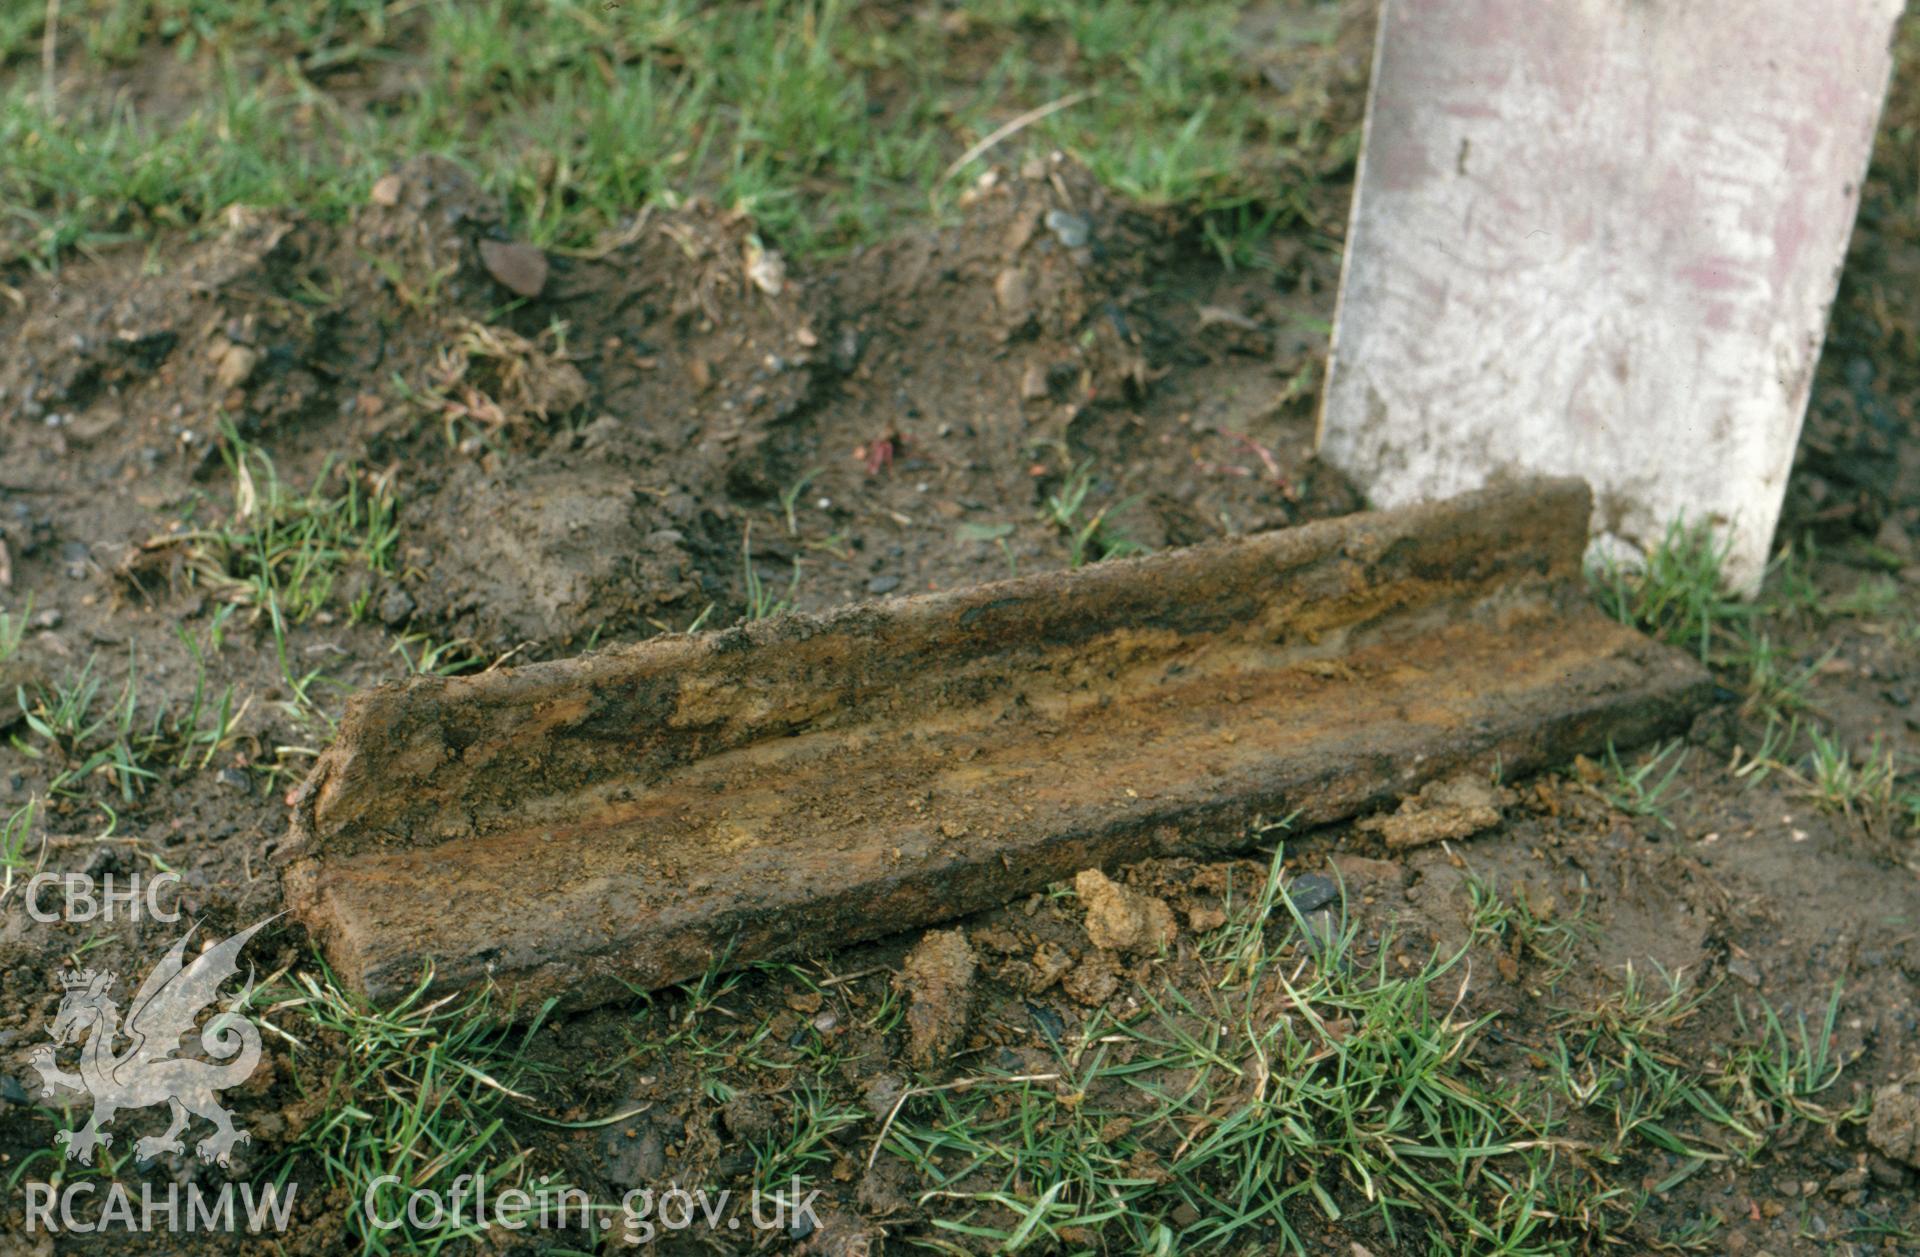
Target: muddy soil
(678, 408)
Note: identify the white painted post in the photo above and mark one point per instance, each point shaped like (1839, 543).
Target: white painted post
(1600, 238)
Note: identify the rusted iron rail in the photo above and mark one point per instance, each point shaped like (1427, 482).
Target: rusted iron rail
(583, 827)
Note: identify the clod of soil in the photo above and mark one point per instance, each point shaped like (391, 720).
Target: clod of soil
(1450, 809)
(1894, 1125)
(1093, 981)
(520, 267)
(1123, 920)
(937, 980)
(560, 546)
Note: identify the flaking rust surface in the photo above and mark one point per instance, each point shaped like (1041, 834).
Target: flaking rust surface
(580, 828)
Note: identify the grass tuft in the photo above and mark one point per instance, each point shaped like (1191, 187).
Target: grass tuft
(16, 844)
(1776, 1073)
(1090, 538)
(417, 1095)
(13, 630)
(763, 603)
(1842, 782)
(1293, 1080)
(281, 552)
(1679, 595)
(81, 734)
(1613, 1059)
(1776, 687)
(1646, 790)
(1541, 930)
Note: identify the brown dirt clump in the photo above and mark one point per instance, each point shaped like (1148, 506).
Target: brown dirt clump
(1451, 808)
(1123, 920)
(1093, 981)
(1894, 1125)
(937, 979)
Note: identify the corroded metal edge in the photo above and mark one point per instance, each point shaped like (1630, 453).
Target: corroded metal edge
(582, 828)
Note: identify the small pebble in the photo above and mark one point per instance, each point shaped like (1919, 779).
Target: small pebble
(1071, 230)
(1311, 892)
(884, 584)
(520, 268)
(1010, 290)
(396, 608)
(1051, 1024)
